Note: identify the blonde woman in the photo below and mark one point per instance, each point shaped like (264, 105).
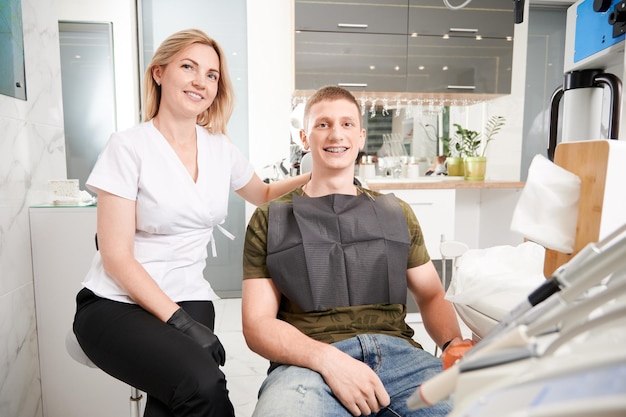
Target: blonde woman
(145, 314)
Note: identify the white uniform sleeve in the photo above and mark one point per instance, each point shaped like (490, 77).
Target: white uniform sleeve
(241, 169)
(117, 169)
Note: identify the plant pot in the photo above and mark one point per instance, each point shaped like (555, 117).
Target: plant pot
(455, 166)
(475, 167)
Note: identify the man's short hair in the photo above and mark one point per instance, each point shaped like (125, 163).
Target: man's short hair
(329, 93)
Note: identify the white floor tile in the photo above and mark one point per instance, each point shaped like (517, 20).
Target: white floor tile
(244, 369)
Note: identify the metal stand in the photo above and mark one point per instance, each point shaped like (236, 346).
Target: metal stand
(135, 402)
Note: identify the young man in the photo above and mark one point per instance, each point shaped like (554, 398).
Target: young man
(326, 272)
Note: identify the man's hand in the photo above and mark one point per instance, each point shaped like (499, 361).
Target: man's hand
(200, 333)
(354, 384)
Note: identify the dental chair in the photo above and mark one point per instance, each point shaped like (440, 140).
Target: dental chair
(556, 353)
(486, 283)
(600, 165)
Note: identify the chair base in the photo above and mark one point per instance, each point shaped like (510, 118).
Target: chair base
(76, 352)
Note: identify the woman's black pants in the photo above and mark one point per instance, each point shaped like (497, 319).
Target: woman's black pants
(129, 343)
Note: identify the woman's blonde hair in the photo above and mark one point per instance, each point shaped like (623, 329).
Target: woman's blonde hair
(216, 117)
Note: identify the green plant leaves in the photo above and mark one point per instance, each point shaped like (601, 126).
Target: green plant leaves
(467, 142)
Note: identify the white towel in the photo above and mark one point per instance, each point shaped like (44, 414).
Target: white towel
(547, 210)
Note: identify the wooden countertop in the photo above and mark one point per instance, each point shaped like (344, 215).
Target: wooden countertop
(448, 183)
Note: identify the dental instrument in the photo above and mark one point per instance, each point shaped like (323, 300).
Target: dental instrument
(587, 269)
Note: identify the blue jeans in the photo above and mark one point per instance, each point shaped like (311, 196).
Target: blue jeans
(293, 391)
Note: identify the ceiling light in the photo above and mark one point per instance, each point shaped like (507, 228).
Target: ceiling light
(421, 68)
(372, 67)
(444, 68)
(446, 36)
(397, 68)
(479, 38)
(414, 35)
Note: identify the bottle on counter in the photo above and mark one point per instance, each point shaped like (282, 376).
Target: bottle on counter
(367, 168)
(413, 168)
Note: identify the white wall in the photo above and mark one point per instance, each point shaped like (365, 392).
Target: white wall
(270, 78)
(270, 81)
(31, 152)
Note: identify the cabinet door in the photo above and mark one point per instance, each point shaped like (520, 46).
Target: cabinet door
(363, 16)
(488, 18)
(357, 61)
(459, 64)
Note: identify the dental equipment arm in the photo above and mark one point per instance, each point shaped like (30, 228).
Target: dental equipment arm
(580, 273)
(577, 311)
(590, 266)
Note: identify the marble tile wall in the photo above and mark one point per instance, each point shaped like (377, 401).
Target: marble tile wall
(31, 152)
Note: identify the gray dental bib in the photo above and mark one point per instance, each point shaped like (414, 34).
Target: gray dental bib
(338, 251)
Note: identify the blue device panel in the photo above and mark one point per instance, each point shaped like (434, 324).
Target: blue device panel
(593, 31)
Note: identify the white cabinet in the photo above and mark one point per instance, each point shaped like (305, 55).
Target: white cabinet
(62, 242)
(479, 217)
(435, 212)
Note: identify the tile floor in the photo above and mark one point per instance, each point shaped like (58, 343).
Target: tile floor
(245, 370)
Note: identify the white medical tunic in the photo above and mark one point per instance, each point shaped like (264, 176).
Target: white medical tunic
(175, 216)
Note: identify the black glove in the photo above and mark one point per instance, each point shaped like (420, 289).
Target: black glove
(200, 333)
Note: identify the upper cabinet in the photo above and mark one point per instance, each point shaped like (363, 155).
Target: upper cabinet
(369, 62)
(413, 46)
(459, 65)
(487, 18)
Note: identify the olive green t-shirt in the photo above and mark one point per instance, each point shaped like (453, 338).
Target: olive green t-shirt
(335, 324)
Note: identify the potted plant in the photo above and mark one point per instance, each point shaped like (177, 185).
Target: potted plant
(475, 161)
(454, 156)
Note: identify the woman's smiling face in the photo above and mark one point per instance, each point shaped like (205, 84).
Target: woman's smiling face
(189, 82)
